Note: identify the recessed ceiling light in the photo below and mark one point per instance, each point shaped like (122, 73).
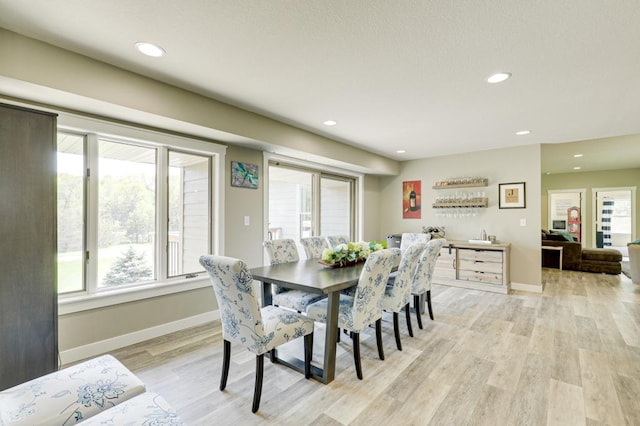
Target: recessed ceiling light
(330, 123)
(401, 151)
(577, 155)
(150, 49)
(499, 77)
(523, 132)
(577, 168)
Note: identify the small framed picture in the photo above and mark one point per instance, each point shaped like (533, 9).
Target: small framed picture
(244, 175)
(512, 195)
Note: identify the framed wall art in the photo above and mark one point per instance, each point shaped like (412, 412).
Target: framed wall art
(244, 175)
(512, 195)
(411, 199)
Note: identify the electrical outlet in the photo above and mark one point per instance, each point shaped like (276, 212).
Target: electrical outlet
(247, 221)
(523, 222)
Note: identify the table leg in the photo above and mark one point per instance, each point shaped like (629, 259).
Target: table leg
(331, 338)
(266, 294)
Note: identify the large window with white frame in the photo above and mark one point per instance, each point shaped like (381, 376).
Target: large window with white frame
(132, 212)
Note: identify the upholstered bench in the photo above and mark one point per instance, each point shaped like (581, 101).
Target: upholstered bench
(146, 409)
(70, 395)
(603, 260)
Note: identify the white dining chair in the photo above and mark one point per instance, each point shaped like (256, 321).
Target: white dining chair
(424, 276)
(356, 313)
(397, 295)
(336, 240)
(244, 323)
(314, 246)
(410, 238)
(281, 251)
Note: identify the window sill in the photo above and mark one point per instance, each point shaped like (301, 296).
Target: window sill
(69, 304)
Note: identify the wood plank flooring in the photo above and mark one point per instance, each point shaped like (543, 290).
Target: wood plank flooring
(570, 356)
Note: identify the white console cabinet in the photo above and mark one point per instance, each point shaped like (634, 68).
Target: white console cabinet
(477, 266)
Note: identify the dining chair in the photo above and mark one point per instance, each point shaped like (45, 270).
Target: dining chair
(397, 295)
(335, 240)
(410, 238)
(282, 251)
(424, 275)
(245, 323)
(314, 246)
(356, 313)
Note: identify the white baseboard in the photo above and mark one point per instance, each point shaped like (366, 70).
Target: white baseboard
(531, 288)
(103, 346)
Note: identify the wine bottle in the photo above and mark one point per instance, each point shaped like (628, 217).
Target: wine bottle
(412, 200)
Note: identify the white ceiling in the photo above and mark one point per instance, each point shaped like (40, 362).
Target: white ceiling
(404, 74)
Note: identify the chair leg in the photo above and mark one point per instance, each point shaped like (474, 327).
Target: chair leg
(272, 355)
(356, 353)
(396, 331)
(429, 304)
(225, 364)
(308, 353)
(407, 311)
(257, 392)
(379, 339)
(338, 338)
(416, 302)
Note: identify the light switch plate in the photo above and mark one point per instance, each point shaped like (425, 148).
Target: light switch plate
(247, 221)
(523, 222)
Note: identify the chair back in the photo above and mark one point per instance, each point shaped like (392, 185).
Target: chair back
(281, 251)
(238, 305)
(367, 303)
(336, 240)
(427, 263)
(410, 238)
(314, 246)
(399, 294)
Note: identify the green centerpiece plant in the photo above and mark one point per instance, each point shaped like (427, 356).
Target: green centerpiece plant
(350, 253)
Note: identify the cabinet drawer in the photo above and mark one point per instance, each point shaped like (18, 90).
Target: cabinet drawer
(483, 255)
(483, 277)
(475, 265)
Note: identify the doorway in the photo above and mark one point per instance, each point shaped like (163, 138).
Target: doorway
(614, 213)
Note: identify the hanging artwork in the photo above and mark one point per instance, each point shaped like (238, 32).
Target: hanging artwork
(244, 175)
(411, 199)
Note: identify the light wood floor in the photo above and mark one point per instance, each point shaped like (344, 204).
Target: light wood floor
(570, 356)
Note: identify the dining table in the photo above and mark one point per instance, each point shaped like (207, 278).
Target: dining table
(311, 276)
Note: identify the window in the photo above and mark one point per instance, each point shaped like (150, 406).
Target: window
(133, 212)
(306, 202)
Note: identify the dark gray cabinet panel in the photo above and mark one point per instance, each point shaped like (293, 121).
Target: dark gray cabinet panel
(28, 293)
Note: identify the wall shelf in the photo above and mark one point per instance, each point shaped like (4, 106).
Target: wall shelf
(461, 183)
(481, 202)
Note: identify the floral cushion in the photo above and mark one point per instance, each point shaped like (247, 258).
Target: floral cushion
(297, 300)
(243, 322)
(365, 307)
(148, 409)
(70, 395)
(398, 291)
(314, 246)
(424, 271)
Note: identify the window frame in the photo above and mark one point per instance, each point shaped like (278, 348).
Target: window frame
(91, 297)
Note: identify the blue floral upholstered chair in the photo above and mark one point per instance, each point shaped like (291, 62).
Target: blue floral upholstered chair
(397, 295)
(424, 275)
(245, 323)
(410, 238)
(314, 246)
(336, 240)
(357, 312)
(282, 251)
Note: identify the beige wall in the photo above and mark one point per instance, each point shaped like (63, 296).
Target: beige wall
(500, 166)
(588, 181)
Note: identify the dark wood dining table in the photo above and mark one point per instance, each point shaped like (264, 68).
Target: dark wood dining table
(311, 276)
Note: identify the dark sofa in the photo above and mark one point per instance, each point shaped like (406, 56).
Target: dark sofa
(575, 258)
